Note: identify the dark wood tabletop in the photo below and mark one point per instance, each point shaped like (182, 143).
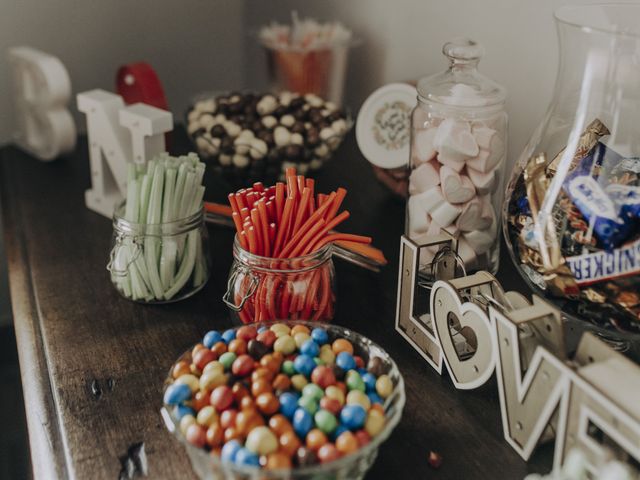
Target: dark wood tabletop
(93, 364)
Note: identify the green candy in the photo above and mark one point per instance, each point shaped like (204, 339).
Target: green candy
(287, 368)
(308, 403)
(226, 359)
(318, 361)
(313, 391)
(325, 421)
(354, 381)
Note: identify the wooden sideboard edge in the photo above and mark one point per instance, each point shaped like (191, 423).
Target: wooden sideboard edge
(45, 439)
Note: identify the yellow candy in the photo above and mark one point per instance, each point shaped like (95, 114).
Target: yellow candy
(280, 329)
(212, 367)
(186, 422)
(211, 380)
(285, 344)
(335, 393)
(300, 328)
(190, 380)
(356, 397)
(301, 337)
(262, 440)
(207, 416)
(327, 355)
(298, 382)
(375, 422)
(384, 386)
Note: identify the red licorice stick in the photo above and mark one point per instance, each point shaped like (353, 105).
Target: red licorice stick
(271, 209)
(321, 199)
(279, 201)
(234, 203)
(240, 200)
(242, 238)
(340, 194)
(272, 234)
(255, 221)
(282, 227)
(258, 187)
(244, 213)
(302, 210)
(237, 221)
(301, 183)
(327, 228)
(300, 246)
(340, 236)
(318, 214)
(264, 225)
(292, 186)
(253, 241)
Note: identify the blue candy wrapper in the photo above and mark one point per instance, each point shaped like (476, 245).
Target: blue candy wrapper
(604, 187)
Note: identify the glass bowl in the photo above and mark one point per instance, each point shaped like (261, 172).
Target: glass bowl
(352, 466)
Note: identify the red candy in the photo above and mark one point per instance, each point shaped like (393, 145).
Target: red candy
(246, 333)
(359, 361)
(363, 437)
(267, 337)
(331, 405)
(242, 366)
(202, 357)
(323, 376)
(196, 435)
(222, 398)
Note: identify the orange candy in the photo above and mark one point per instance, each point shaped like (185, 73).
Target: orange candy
(299, 329)
(328, 453)
(239, 391)
(228, 418)
(200, 400)
(289, 442)
(262, 372)
(238, 346)
(247, 403)
(180, 368)
(196, 348)
(215, 435)
(246, 333)
(347, 443)
(202, 357)
(247, 420)
(219, 348)
(267, 403)
(315, 439)
(271, 362)
(279, 424)
(278, 460)
(261, 385)
(232, 433)
(281, 383)
(342, 345)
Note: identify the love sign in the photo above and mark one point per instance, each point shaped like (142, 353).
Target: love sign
(473, 328)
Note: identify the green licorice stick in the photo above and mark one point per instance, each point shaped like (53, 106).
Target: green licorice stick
(179, 190)
(167, 257)
(154, 216)
(145, 188)
(186, 266)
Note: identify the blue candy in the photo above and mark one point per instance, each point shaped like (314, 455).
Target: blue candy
(211, 338)
(361, 371)
(244, 456)
(180, 411)
(304, 364)
(369, 381)
(375, 398)
(228, 335)
(345, 361)
(230, 450)
(303, 422)
(177, 393)
(353, 416)
(262, 329)
(288, 404)
(310, 348)
(320, 336)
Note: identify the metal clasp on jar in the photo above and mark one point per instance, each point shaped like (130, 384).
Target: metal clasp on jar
(226, 298)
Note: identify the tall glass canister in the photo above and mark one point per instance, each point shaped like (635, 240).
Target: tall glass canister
(458, 151)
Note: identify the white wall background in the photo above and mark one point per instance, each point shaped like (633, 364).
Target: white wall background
(403, 40)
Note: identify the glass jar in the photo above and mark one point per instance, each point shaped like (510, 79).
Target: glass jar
(263, 288)
(458, 151)
(571, 218)
(159, 263)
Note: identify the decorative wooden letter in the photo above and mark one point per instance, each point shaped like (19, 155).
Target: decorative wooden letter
(528, 402)
(42, 90)
(106, 113)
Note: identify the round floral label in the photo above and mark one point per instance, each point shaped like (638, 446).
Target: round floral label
(391, 125)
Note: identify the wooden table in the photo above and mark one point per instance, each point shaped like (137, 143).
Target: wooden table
(93, 364)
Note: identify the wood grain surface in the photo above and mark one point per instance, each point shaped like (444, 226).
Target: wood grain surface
(93, 363)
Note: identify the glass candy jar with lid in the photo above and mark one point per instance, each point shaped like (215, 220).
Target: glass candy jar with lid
(458, 151)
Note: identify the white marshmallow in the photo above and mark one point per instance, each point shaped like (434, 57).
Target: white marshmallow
(454, 140)
(287, 120)
(454, 164)
(296, 139)
(269, 121)
(418, 218)
(207, 121)
(445, 213)
(242, 145)
(232, 128)
(456, 188)
(488, 160)
(467, 254)
(480, 240)
(281, 136)
(258, 148)
(423, 144)
(423, 178)
(484, 182)
(483, 136)
(477, 214)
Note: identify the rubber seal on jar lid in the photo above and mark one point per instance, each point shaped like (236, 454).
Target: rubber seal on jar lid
(383, 128)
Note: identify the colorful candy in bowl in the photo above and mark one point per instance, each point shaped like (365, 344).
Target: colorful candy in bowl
(283, 400)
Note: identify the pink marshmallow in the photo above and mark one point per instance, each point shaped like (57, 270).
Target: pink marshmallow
(456, 188)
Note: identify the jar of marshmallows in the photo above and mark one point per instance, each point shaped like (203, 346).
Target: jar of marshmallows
(457, 157)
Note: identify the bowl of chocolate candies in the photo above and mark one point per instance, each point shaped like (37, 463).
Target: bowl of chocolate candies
(283, 400)
(248, 137)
